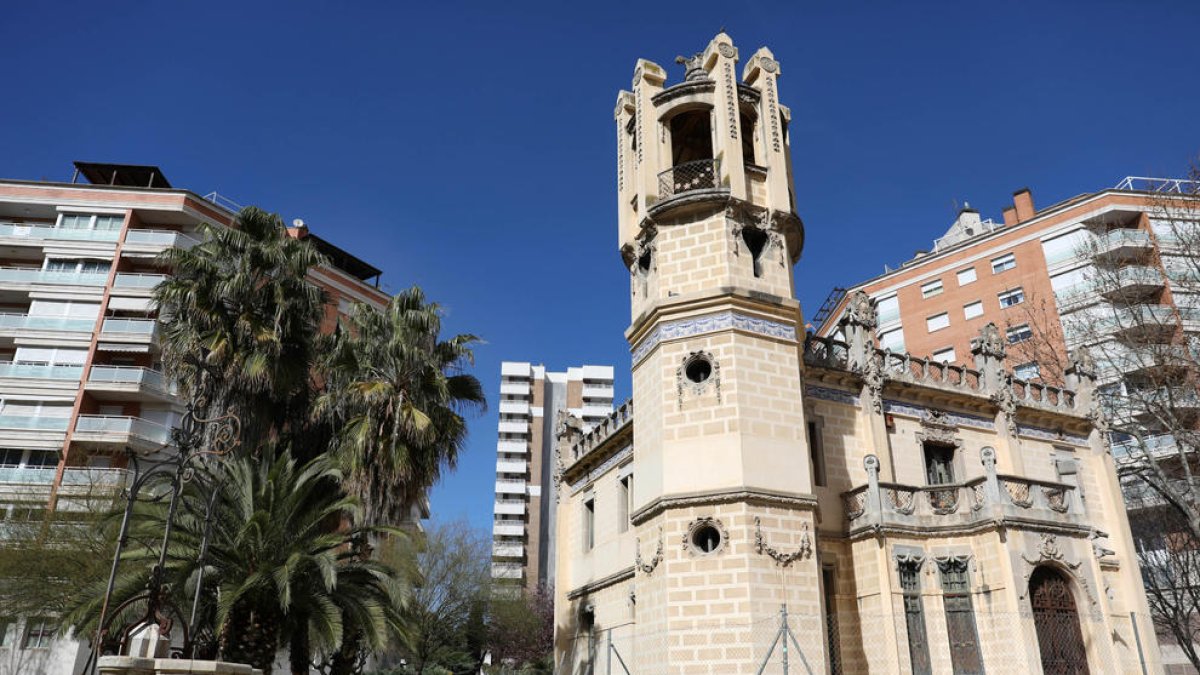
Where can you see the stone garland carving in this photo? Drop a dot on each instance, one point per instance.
(781, 558)
(730, 95)
(695, 525)
(648, 567)
(1006, 400)
(873, 377)
(773, 108)
(916, 560)
(697, 388)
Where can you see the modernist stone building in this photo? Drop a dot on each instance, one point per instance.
(771, 498)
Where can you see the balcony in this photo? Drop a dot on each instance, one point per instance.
(510, 486)
(514, 388)
(29, 232)
(512, 447)
(510, 507)
(121, 431)
(124, 382)
(508, 551)
(506, 571)
(514, 408)
(703, 174)
(514, 427)
(1115, 358)
(127, 283)
(597, 391)
(25, 323)
(1122, 244)
(23, 277)
(508, 528)
(29, 371)
(129, 330)
(1131, 280)
(1147, 322)
(156, 241)
(75, 477)
(511, 466)
(34, 422)
(975, 503)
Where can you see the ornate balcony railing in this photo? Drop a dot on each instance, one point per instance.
(990, 498)
(702, 174)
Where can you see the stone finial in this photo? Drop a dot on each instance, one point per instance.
(568, 430)
(693, 67)
(1082, 363)
(1081, 378)
(990, 342)
(860, 311)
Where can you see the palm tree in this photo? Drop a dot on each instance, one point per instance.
(239, 321)
(395, 395)
(285, 562)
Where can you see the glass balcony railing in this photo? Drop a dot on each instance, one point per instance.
(21, 275)
(1118, 239)
(133, 427)
(40, 371)
(57, 323)
(74, 476)
(29, 231)
(164, 238)
(130, 375)
(34, 422)
(133, 327)
(146, 281)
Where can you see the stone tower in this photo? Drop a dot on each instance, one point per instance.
(709, 232)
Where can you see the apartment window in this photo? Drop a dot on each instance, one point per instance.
(914, 617)
(966, 276)
(1028, 371)
(892, 340)
(624, 502)
(944, 355)
(816, 451)
(589, 524)
(1004, 262)
(1019, 333)
(931, 289)
(1013, 297)
(973, 309)
(937, 321)
(39, 631)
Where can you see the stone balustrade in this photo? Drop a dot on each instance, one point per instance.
(989, 499)
(137, 665)
(595, 436)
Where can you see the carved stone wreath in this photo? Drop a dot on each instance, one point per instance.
(695, 526)
(727, 51)
(781, 558)
(648, 567)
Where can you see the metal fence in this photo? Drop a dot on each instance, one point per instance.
(788, 643)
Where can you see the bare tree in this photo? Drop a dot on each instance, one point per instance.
(1170, 560)
(1037, 317)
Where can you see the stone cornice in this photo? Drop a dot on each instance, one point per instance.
(684, 89)
(752, 495)
(588, 588)
(872, 530)
(697, 305)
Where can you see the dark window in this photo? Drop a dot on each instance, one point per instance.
(756, 242)
(960, 618)
(589, 524)
(939, 464)
(816, 451)
(914, 618)
(747, 122)
(691, 137)
(829, 584)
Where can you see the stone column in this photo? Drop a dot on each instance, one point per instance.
(762, 73)
(996, 384)
(720, 60)
(648, 80)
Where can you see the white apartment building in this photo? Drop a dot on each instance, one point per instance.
(523, 516)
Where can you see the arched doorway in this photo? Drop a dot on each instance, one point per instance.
(1060, 640)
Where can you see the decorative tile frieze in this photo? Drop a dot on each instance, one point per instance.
(712, 323)
(921, 412)
(1050, 434)
(827, 394)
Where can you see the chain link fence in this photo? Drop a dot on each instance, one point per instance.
(843, 644)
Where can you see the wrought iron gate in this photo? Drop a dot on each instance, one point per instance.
(1060, 640)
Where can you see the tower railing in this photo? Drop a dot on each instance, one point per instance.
(702, 174)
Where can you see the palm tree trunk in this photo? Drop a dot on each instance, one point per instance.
(300, 649)
(346, 660)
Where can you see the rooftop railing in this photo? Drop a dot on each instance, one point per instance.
(1180, 186)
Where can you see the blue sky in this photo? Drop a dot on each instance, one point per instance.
(468, 147)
